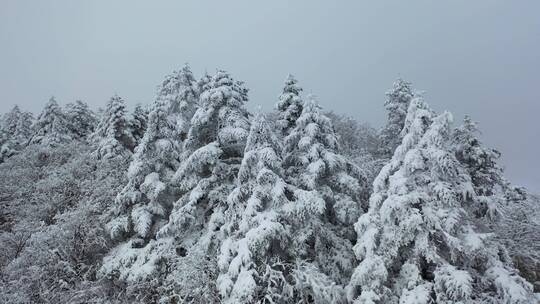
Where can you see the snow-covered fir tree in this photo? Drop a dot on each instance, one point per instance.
(192, 201)
(498, 202)
(255, 239)
(481, 164)
(418, 243)
(289, 106)
(5, 147)
(156, 157)
(203, 84)
(221, 117)
(212, 150)
(179, 91)
(51, 126)
(138, 122)
(144, 200)
(323, 233)
(112, 136)
(397, 103)
(23, 132)
(480, 161)
(10, 120)
(82, 121)
(15, 132)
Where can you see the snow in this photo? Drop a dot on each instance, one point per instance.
(193, 199)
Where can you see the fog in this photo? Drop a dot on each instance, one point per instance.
(470, 57)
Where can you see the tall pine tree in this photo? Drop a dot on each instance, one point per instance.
(189, 203)
(418, 243)
(145, 200)
(322, 227)
(10, 120)
(112, 135)
(180, 92)
(255, 239)
(397, 103)
(212, 151)
(82, 121)
(51, 126)
(23, 132)
(138, 122)
(289, 106)
(15, 132)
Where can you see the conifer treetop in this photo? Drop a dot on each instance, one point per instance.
(289, 105)
(417, 236)
(51, 126)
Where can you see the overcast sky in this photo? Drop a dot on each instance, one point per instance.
(471, 57)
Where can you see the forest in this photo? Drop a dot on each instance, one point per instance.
(192, 198)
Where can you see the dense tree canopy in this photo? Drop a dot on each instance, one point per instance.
(192, 199)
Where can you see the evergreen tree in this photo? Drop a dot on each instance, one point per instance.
(417, 243)
(212, 151)
(193, 201)
(203, 84)
(289, 105)
(255, 239)
(481, 164)
(10, 120)
(82, 120)
(179, 91)
(221, 117)
(479, 161)
(51, 126)
(6, 148)
(156, 157)
(112, 135)
(397, 103)
(138, 122)
(23, 132)
(145, 199)
(15, 132)
(322, 227)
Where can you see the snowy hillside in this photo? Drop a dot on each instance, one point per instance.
(193, 199)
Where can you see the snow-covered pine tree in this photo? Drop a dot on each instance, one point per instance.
(145, 200)
(289, 106)
(16, 132)
(23, 132)
(10, 120)
(138, 122)
(156, 157)
(186, 246)
(323, 233)
(179, 91)
(8, 128)
(5, 148)
(417, 243)
(144, 204)
(481, 164)
(221, 117)
(255, 239)
(397, 103)
(82, 121)
(203, 84)
(51, 126)
(211, 156)
(479, 161)
(498, 202)
(112, 135)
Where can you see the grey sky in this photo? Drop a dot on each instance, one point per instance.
(475, 57)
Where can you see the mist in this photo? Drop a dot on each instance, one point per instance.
(470, 57)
